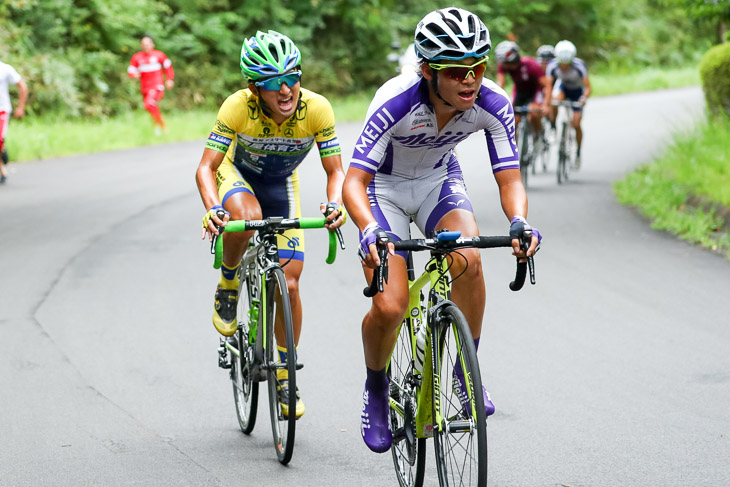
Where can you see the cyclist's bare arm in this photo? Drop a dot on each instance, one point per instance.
(587, 84)
(547, 88)
(205, 178)
(22, 97)
(514, 203)
(358, 207)
(501, 80)
(335, 178)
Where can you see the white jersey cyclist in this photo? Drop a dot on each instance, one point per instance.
(570, 79)
(8, 76)
(415, 164)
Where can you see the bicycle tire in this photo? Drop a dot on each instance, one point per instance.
(524, 151)
(277, 303)
(245, 385)
(562, 153)
(460, 440)
(408, 451)
(536, 151)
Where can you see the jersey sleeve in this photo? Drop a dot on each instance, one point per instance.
(323, 126)
(498, 121)
(580, 66)
(384, 113)
(224, 130)
(133, 67)
(167, 67)
(551, 69)
(13, 76)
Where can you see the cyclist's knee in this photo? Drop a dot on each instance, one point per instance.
(240, 211)
(388, 313)
(292, 284)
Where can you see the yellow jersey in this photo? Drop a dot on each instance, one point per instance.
(256, 145)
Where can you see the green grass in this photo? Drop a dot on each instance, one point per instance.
(42, 138)
(696, 164)
(612, 83)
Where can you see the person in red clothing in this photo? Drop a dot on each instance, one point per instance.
(531, 86)
(148, 66)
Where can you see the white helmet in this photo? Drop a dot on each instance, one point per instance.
(565, 52)
(451, 33)
(507, 52)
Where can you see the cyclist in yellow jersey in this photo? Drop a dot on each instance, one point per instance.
(249, 169)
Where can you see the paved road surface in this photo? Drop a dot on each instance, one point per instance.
(613, 370)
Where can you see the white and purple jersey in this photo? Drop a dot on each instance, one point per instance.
(572, 78)
(401, 136)
(416, 176)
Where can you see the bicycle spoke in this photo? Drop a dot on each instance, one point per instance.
(245, 386)
(407, 450)
(461, 441)
(278, 306)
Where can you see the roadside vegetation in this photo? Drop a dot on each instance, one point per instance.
(53, 136)
(686, 191)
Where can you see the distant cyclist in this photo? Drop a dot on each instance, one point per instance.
(148, 66)
(544, 55)
(404, 169)
(530, 84)
(9, 76)
(572, 84)
(249, 170)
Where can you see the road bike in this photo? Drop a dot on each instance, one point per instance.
(263, 305)
(567, 145)
(533, 147)
(434, 343)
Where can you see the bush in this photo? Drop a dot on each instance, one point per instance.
(715, 76)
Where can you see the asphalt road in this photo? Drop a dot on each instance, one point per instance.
(613, 370)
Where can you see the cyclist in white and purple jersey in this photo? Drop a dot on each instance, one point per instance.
(572, 83)
(404, 169)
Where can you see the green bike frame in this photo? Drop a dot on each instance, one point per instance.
(436, 275)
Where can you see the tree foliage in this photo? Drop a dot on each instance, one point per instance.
(715, 76)
(74, 53)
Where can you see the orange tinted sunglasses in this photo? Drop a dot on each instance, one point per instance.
(460, 72)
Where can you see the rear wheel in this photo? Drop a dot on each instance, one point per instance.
(245, 386)
(409, 452)
(278, 310)
(460, 433)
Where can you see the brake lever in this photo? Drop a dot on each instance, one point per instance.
(383, 271)
(329, 209)
(221, 215)
(340, 238)
(525, 243)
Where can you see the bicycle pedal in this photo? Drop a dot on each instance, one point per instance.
(223, 363)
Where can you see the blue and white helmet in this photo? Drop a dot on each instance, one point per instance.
(565, 52)
(451, 33)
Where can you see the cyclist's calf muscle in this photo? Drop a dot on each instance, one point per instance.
(388, 308)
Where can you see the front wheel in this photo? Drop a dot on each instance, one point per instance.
(281, 376)
(525, 154)
(460, 423)
(245, 386)
(409, 451)
(563, 154)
